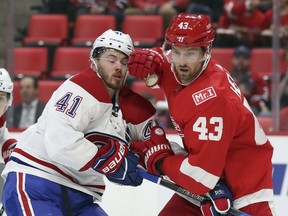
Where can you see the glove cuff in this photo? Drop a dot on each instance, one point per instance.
(155, 165)
(7, 149)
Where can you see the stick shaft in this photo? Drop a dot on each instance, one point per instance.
(194, 198)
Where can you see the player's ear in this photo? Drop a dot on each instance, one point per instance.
(92, 66)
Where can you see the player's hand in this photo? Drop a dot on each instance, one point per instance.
(153, 150)
(118, 164)
(7, 149)
(145, 62)
(221, 197)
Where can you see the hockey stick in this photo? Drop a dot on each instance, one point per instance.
(193, 198)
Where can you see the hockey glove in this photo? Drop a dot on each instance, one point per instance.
(118, 164)
(221, 197)
(153, 150)
(145, 62)
(7, 149)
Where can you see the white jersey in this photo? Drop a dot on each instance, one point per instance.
(79, 118)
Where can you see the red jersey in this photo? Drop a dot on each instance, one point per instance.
(236, 13)
(181, 4)
(269, 19)
(221, 135)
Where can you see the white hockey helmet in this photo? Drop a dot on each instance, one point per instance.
(6, 84)
(112, 39)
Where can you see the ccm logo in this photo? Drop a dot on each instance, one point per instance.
(116, 160)
(204, 95)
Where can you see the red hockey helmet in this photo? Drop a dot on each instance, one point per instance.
(190, 30)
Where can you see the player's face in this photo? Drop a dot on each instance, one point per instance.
(241, 63)
(3, 102)
(112, 67)
(28, 92)
(187, 62)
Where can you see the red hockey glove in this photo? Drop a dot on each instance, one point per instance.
(118, 164)
(221, 197)
(7, 149)
(153, 149)
(145, 62)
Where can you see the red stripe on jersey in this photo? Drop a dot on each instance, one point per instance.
(23, 195)
(96, 186)
(43, 163)
(89, 81)
(8, 142)
(51, 166)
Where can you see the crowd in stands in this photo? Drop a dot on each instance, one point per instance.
(242, 26)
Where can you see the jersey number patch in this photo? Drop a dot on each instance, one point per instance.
(201, 124)
(67, 106)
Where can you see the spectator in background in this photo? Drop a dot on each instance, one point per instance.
(166, 8)
(58, 7)
(27, 113)
(283, 29)
(241, 63)
(243, 21)
(111, 7)
(211, 8)
(253, 87)
(55, 6)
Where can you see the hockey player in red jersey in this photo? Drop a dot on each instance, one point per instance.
(221, 135)
(59, 164)
(7, 143)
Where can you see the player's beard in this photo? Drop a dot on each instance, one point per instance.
(110, 81)
(189, 74)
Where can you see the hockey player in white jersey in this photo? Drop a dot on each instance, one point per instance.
(59, 163)
(7, 143)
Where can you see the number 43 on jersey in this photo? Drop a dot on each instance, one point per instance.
(201, 124)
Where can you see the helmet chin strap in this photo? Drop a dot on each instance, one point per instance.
(96, 68)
